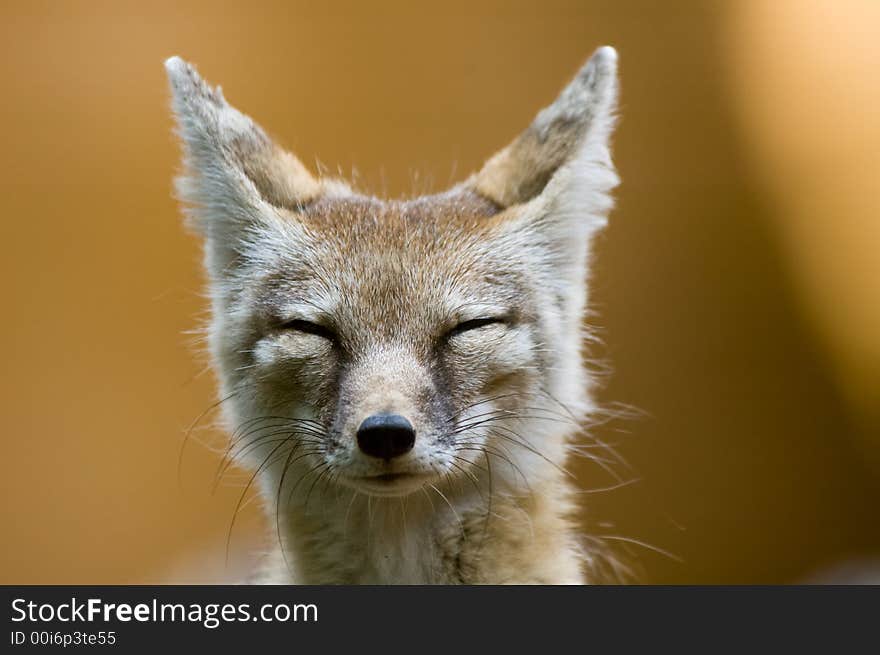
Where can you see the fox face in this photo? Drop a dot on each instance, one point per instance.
(386, 345)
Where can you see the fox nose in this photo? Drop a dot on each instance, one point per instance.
(386, 436)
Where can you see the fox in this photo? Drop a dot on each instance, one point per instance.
(406, 378)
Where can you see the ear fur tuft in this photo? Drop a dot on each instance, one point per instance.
(233, 169)
(575, 128)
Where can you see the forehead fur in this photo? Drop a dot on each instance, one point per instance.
(354, 216)
(364, 255)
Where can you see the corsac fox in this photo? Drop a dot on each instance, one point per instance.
(405, 377)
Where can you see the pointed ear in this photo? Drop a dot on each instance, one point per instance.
(234, 174)
(562, 159)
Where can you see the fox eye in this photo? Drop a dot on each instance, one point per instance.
(474, 324)
(307, 327)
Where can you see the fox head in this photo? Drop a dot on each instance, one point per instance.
(391, 344)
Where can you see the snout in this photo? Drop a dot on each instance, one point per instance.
(387, 431)
(386, 436)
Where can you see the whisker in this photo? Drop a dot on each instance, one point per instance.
(647, 546)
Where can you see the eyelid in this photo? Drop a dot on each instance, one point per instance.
(476, 323)
(308, 327)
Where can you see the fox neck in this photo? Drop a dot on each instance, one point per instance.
(452, 533)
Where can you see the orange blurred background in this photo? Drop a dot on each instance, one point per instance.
(736, 289)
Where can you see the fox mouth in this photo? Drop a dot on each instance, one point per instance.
(389, 484)
(389, 477)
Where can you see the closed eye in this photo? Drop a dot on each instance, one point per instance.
(307, 327)
(475, 324)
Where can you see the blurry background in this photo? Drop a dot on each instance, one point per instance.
(736, 289)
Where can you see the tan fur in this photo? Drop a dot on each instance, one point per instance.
(518, 539)
(461, 311)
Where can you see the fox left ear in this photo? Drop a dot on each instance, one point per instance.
(236, 178)
(226, 152)
(560, 166)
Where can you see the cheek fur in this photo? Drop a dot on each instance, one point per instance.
(486, 359)
(296, 368)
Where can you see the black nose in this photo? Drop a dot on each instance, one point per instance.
(386, 436)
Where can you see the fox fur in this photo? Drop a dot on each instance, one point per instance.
(461, 311)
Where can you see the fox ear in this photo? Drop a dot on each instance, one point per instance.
(562, 159)
(235, 175)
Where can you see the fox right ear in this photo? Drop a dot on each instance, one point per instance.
(235, 175)
(565, 149)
